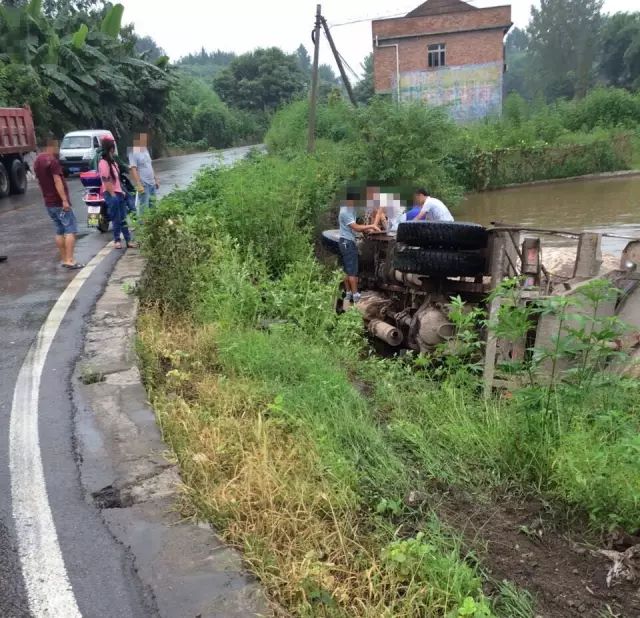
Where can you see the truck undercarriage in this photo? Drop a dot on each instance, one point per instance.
(408, 280)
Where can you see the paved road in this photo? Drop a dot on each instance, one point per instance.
(99, 570)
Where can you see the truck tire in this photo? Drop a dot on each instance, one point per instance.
(330, 241)
(18, 177)
(439, 263)
(5, 183)
(443, 235)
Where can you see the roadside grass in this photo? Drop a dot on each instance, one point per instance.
(283, 455)
(308, 475)
(301, 447)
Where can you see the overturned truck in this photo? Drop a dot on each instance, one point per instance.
(409, 277)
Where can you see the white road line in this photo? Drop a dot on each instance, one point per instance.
(48, 588)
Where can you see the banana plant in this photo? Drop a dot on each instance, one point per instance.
(90, 71)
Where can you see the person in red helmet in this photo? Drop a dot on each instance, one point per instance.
(114, 196)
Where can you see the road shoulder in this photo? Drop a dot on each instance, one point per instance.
(126, 474)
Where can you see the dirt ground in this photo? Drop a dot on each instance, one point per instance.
(560, 260)
(565, 574)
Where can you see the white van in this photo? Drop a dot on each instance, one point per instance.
(79, 148)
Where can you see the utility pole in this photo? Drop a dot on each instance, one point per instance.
(336, 55)
(313, 101)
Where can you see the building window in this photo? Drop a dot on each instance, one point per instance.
(437, 55)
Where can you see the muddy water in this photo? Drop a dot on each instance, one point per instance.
(604, 205)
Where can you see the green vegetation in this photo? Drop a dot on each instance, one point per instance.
(198, 120)
(301, 447)
(569, 47)
(530, 142)
(75, 65)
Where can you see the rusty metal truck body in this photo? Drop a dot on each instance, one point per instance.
(408, 281)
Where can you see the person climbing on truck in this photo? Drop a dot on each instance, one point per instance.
(349, 227)
(430, 208)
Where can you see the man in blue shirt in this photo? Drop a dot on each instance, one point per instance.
(348, 248)
(142, 173)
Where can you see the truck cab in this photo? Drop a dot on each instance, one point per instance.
(79, 148)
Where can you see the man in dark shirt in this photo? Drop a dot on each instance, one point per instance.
(55, 192)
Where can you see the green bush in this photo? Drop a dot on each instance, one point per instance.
(604, 107)
(289, 128)
(195, 114)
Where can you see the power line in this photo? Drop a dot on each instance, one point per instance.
(345, 62)
(363, 19)
(349, 66)
(359, 20)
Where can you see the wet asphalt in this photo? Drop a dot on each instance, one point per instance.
(31, 280)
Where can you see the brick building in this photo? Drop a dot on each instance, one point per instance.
(444, 52)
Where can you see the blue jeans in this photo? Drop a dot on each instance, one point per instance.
(118, 214)
(63, 220)
(146, 199)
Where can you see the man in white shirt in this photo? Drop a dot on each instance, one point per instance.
(431, 209)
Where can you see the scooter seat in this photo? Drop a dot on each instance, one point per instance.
(90, 179)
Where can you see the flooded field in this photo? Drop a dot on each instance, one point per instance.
(610, 205)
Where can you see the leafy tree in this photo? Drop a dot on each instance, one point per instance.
(620, 62)
(148, 49)
(364, 89)
(261, 80)
(564, 38)
(53, 8)
(205, 64)
(520, 74)
(91, 74)
(517, 40)
(304, 59)
(196, 115)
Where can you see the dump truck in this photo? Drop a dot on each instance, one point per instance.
(17, 139)
(409, 277)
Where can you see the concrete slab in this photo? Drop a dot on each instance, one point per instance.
(125, 472)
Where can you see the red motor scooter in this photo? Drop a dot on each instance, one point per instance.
(97, 211)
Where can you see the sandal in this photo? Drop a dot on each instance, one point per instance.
(132, 245)
(117, 245)
(76, 266)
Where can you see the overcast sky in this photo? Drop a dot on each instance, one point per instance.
(243, 25)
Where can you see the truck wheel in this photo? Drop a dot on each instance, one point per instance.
(5, 184)
(18, 177)
(443, 235)
(330, 241)
(439, 263)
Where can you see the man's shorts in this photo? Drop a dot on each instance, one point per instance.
(63, 220)
(349, 253)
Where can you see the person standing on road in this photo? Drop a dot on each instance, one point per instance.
(114, 196)
(347, 243)
(55, 193)
(142, 172)
(431, 209)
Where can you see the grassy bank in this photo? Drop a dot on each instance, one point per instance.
(529, 142)
(323, 463)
